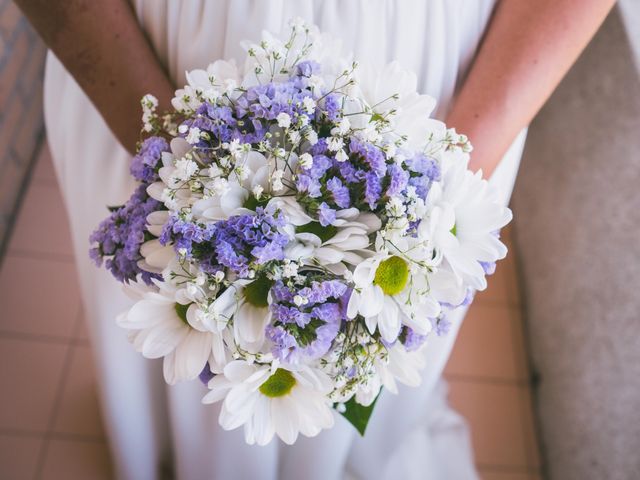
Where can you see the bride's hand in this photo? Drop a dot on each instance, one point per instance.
(102, 46)
(528, 48)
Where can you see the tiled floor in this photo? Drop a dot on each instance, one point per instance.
(50, 424)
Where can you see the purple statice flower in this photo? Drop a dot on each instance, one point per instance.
(206, 374)
(488, 267)
(370, 154)
(308, 185)
(326, 214)
(307, 68)
(321, 163)
(244, 239)
(339, 192)
(305, 329)
(144, 163)
(398, 180)
(412, 340)
(319, 148)
(426, 166)
(120, 235)
(331, 107)
(441, 325)
(372, 190)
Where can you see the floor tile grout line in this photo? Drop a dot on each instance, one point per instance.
(497, 468)
(35, 255)
(39, 338)
(537, 429)
(66, 367)
(70, 436)
(486, 380)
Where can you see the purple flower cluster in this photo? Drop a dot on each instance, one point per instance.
(238, 243)
(412, 340)
(424, 171)
(307, 328)
(120, 235)
(144, 165)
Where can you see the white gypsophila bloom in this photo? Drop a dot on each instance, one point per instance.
(220, 186)
(185, 169)
(159, 328)
(335, 143)
(311, 136)
(305, 160)
(284, 120)
(341, 156)
(171, 189)
(193, 136)
(309, 104)
(270, 401)
(462, 222)
(343, 127)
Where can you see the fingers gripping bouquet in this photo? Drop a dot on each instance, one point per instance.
(300, 229)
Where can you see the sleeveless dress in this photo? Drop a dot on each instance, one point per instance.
(413, 435)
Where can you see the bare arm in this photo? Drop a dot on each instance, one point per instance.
(102, 46)
(528, 48)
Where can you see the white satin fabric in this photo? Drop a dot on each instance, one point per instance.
(414, 435)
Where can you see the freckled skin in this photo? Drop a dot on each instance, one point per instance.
(527, 49)
(102, 46)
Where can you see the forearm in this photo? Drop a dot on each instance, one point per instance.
(528, 48)
(102, 46)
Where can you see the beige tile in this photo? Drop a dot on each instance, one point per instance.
(81, 332)
(42, 225)
(532, 444)
(29, 374)
(496, 475)
(44, 172)
(79, 412)
(497, 291)
(494, 412)
(19, 456)
(54, 308)
(485, 345)
(76, 460)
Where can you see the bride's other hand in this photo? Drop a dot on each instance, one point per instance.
(529, 46)
(101, 44)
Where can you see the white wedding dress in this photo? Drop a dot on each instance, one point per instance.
(414, 435)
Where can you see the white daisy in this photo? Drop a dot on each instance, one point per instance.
(272, 401)
(392, 87)
(161, 327)
(344, 241)
(463, 222)
(390, 290)
(252, 313)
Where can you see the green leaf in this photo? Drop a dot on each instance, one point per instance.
(358, 415)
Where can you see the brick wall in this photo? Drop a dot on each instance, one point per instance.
(21, 123)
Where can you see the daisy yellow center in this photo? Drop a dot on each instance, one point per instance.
(279, 384)
(392, 275)
(257, 291)
(181, 311)
(323, 233)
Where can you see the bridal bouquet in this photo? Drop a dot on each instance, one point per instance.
(300, 228)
